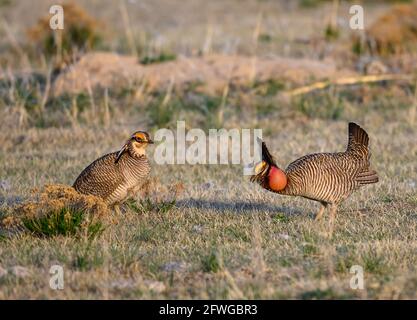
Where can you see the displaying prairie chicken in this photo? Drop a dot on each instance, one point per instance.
(117, 175)
(325, 177)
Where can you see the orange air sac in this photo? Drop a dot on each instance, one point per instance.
(277, 179)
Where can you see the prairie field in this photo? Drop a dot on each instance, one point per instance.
(294, 69)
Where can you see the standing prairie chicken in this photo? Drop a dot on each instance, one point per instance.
(117, 175)
(325, 177)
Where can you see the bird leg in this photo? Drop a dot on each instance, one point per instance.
(319, 214)
(333, 210)
(117, 209)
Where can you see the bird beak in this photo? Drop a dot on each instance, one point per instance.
(122, 150)
(150, 141)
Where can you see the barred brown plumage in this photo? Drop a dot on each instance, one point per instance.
(117, 175)
(325, 177)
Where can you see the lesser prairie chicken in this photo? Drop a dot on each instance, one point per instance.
(116, 176)
(325, 177)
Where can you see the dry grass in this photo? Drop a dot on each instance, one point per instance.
(81, 32)
(222, 237)
(107, 70)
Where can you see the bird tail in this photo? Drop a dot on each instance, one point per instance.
(367, 177)
(358, 138)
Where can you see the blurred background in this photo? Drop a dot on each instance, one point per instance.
(203, 62)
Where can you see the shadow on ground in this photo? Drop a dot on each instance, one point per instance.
(237, 206)
(10, 200)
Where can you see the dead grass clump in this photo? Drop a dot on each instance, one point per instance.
(56, 197)
(80, 33)
(59, 210)
(395, 32)
(8, 222)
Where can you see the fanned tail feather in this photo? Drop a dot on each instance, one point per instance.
(357, 136)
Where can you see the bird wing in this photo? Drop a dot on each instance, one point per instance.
(325, 162)
(100, 178)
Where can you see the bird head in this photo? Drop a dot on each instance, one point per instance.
(136, 144)
(267, 174)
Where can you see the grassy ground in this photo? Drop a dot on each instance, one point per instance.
(224, 237)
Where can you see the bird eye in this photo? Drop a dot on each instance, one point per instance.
(138, 139)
